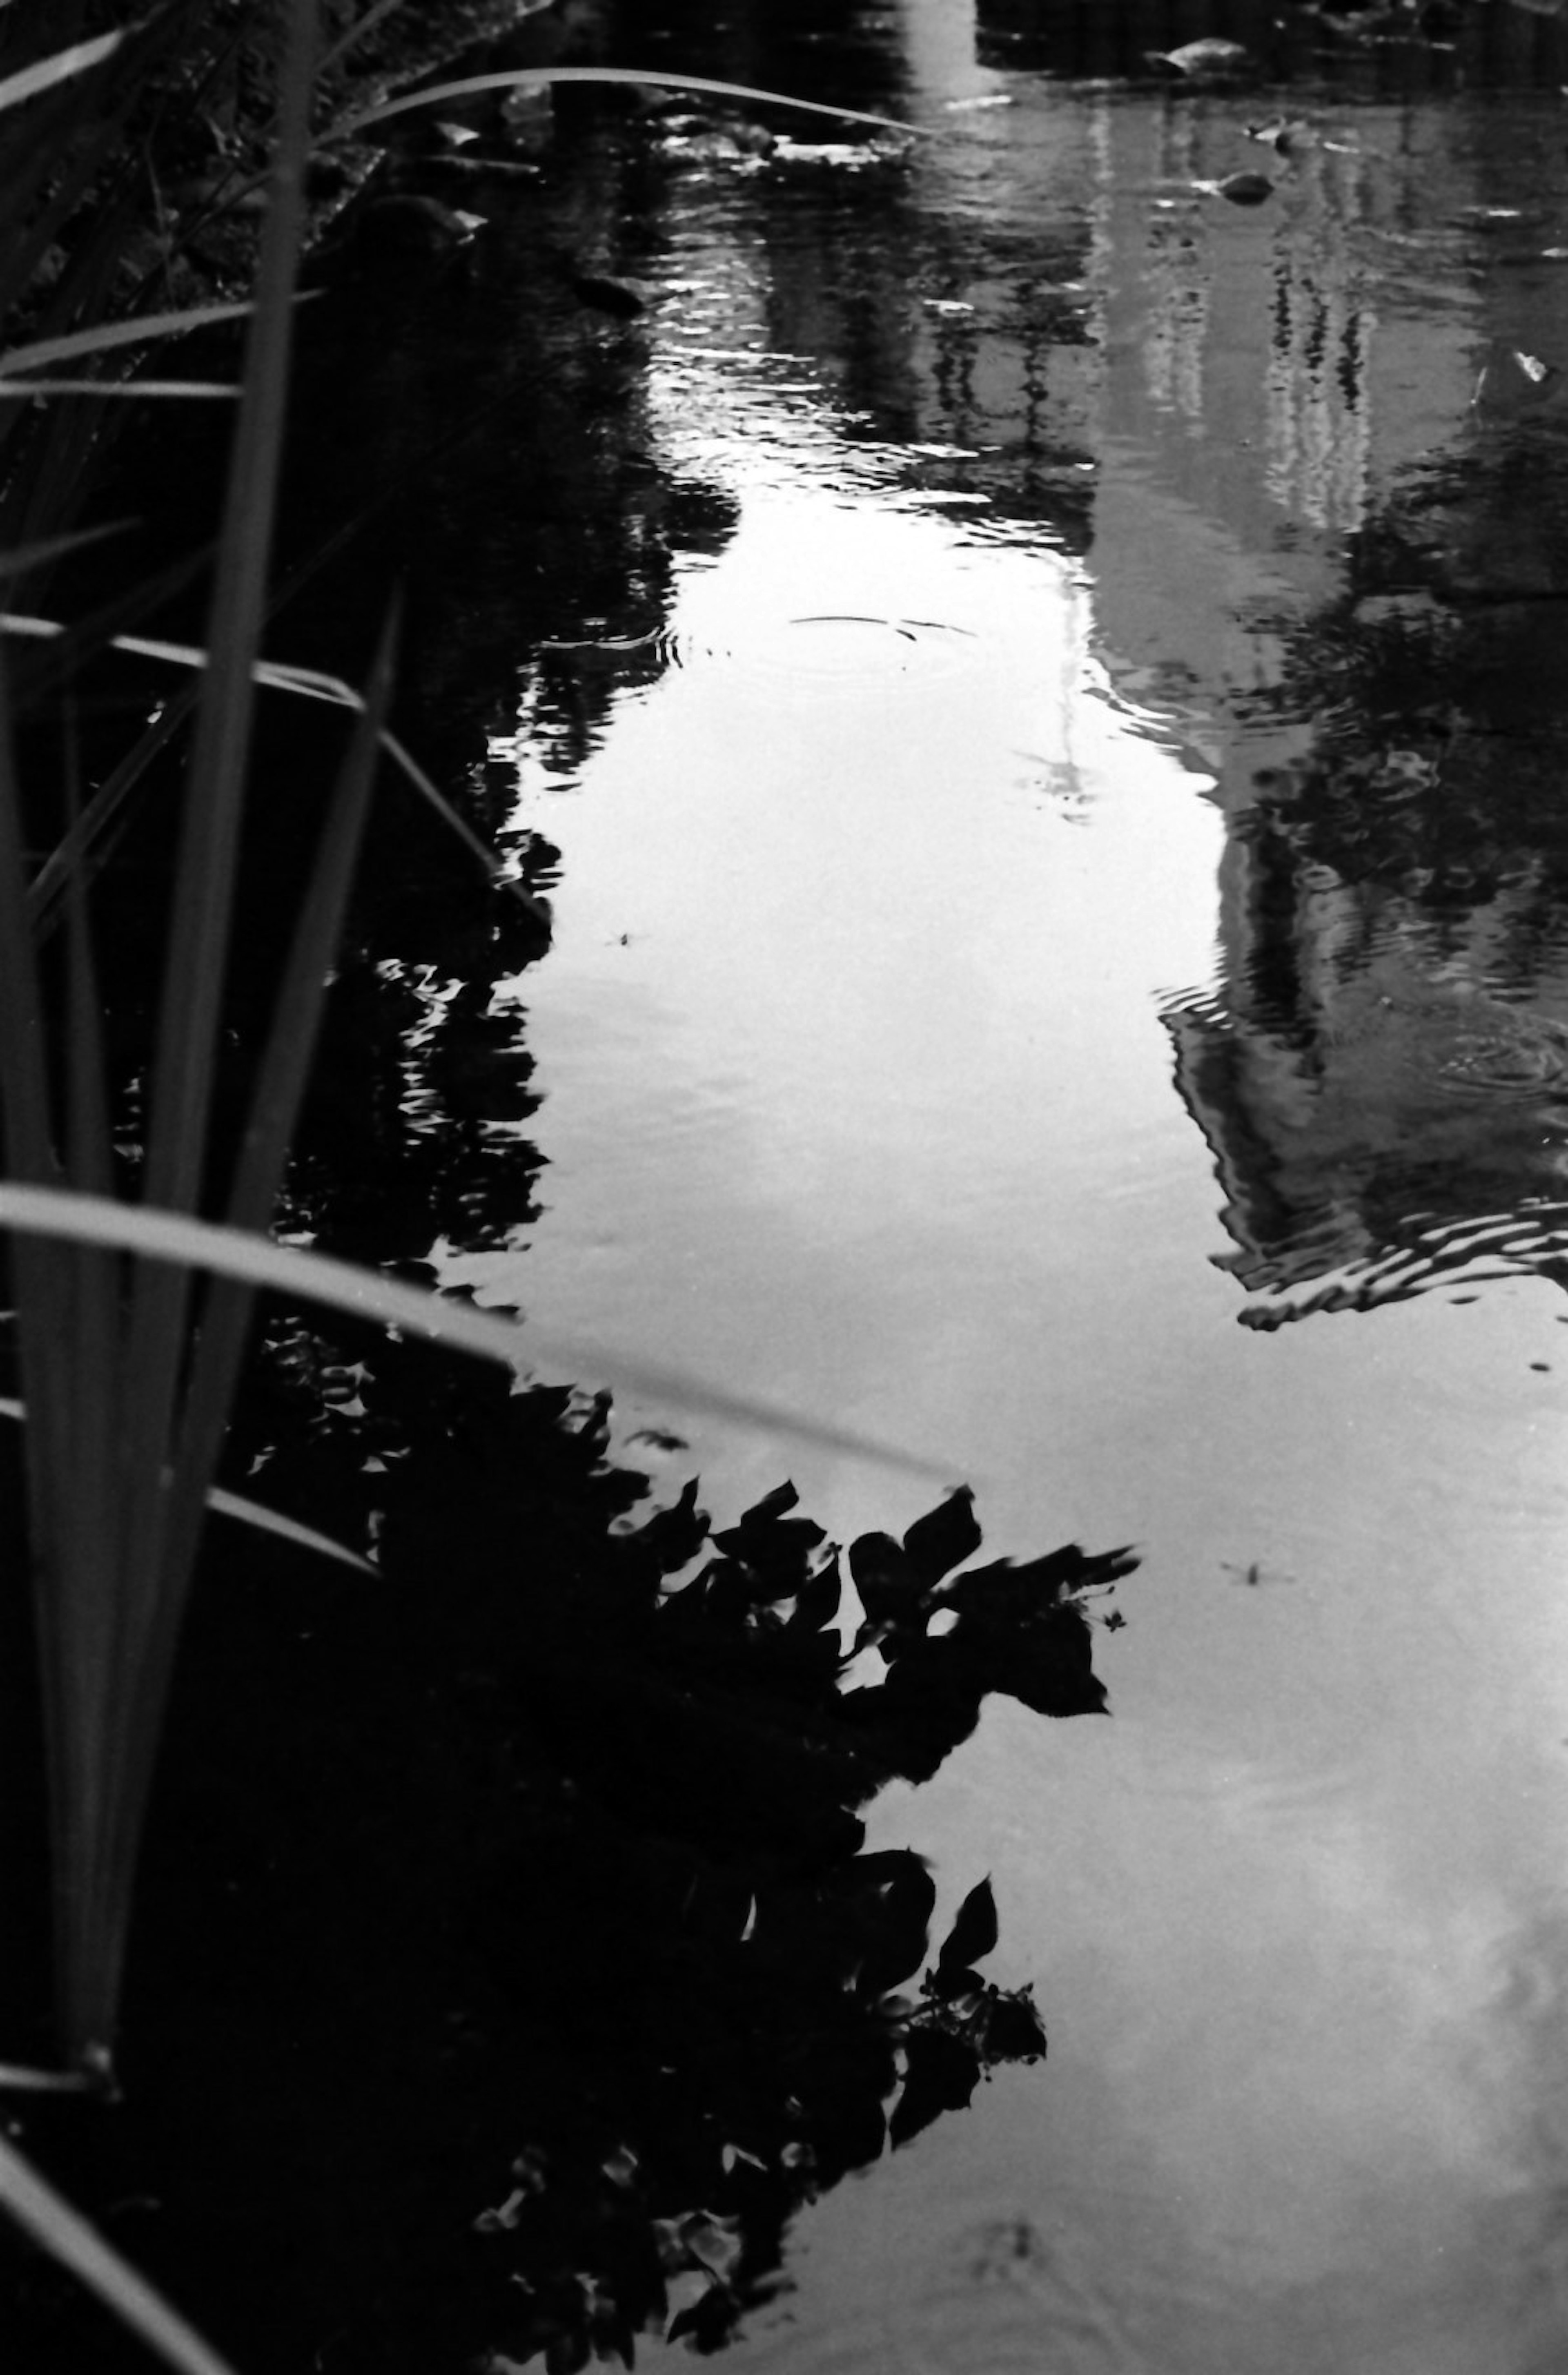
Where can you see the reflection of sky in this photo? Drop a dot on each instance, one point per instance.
(857, 1096)
(840, 1020)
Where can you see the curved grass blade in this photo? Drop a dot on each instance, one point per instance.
(151, 1575)
(46, 72)
(311, 684)
(64, 2234)
(263, 1154)
(154, 387)
(239, 1507)
(140, 331)
(15, 2079)
(25, 556)
(416, 1311)
(540, 78)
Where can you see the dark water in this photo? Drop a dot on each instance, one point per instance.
(1036, 693)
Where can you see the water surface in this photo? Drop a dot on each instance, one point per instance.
(1061, 967)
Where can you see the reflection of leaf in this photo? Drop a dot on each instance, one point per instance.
(816, 1603)
(707, 2321)
(943, 1537)
(1014, 2030)
(774, 1547)
(675, 1534)
(889, 1587)
(973, 1936)
(941, 2074)
(898, 1909)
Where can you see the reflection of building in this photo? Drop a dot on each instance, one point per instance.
(1411, 1145)
(1381, 1073)
(1320, 354)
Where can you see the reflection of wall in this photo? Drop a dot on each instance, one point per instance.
(1383, 1073)
(1318, 431)
(1385, 1111)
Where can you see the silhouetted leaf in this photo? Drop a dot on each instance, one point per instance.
(848, 2125)
(897, 1910)
(675, 1535)
(816, 1603)
(707, 2321)
(890, 1589)
(776, 1504)
(1014, 2030)
(776, 1548)
(941, 2075)
(972, 1937)
(944, 1538)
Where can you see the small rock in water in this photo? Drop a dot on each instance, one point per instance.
(391, 238)
(1513, 384)
(607, 296)
(1285, 134)
(1244, 189)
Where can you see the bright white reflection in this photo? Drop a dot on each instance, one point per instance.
(826, 1011)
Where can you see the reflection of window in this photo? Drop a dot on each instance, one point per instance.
(1173, 351)
(1317, 426)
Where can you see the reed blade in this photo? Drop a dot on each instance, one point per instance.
(369, 1294)
(152, 1494)
(59, 2228)
(46, 72)
(280, 1087)
(540, 78)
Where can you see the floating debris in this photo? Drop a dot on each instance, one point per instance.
(607, 296)
(1207, 61)
(1242, 189)
(1287, 135)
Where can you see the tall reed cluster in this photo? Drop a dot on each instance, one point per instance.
(129, 1298)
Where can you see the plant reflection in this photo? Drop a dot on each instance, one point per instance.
(512, 1969)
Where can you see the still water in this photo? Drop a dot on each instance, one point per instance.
(1061, 968)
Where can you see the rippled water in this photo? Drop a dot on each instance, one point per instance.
(1062, 967)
